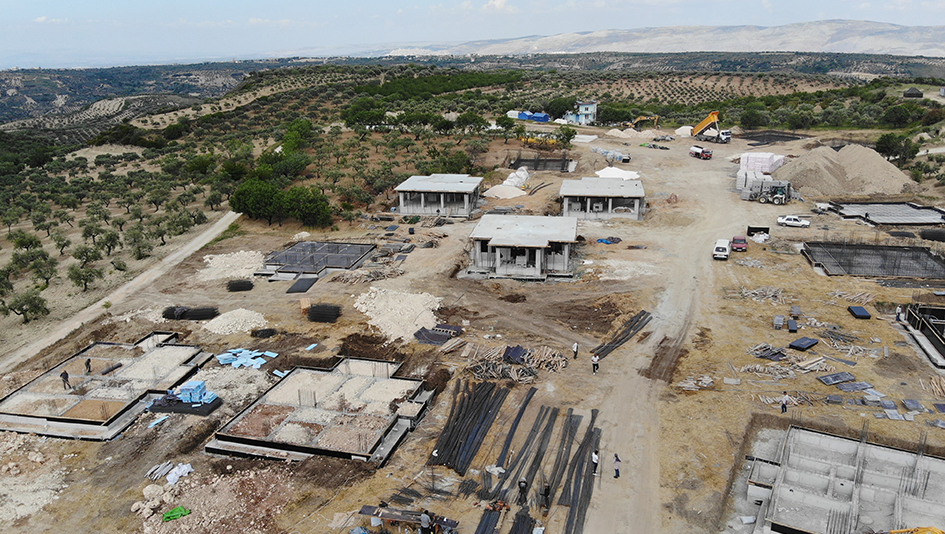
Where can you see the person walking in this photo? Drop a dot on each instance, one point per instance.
(65, 380)
(575, 349)
(616, 466)
(88, 366)
(898, 315)
(426, 523)
(595, 363)
(784, 402)
(595, 459)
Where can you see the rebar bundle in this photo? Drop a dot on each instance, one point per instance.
(183, 313)
(471, 416)
(324, 313)
(239, 285)
(628, 330)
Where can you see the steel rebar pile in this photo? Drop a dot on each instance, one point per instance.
(564, 451)
(518, 419)
(183, 313)
(239, 285)
(578, 512)
(523, 524)
(467, 487)
(628, 330)
(471, 416)
(514, 470)
(490, 518)
(580, 457)
(324, 313)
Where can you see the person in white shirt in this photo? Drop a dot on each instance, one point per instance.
(784, 402)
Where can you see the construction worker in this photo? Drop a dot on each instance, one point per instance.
(65, 380)
(575, 349)
(546, 497)
(595, 363)
(426, 523)
(522, 492)
(88, 366)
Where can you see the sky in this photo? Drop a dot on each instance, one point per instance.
(95, 33)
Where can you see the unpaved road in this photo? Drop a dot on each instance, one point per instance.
(133, 287)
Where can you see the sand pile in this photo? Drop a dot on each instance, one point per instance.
(240, 264)
(398, 314)
(630, 133)
(236, 321)
(854, 170)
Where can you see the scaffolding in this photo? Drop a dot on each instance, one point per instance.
(857, 259)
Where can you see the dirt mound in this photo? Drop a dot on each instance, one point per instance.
(854, 170)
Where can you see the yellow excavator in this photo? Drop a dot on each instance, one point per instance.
(641, 118)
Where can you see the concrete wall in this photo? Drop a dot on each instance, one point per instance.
(520, 262)
(448, 204)
(611, 208)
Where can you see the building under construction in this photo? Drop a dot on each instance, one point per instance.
(860, 259)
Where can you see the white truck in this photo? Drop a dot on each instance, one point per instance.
(697, 151)
(793, 220)
(709, 130)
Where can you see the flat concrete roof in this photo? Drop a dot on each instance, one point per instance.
(441, 183)
(594, 186)
(825, 478)
(903, 213)
(525, 230)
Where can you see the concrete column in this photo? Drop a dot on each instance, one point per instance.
(443, 203)
(588, 210)
(423, 203)
(539, 253)
(466, 203)
(495, 258)
(636, 209)
(567, 254)
(610, 205)
(400, 195)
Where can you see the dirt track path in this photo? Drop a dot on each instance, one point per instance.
(630, 407)
(130, 289)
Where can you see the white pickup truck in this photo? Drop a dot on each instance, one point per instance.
(793, 220)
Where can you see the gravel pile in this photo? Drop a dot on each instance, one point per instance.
(854, 170)
(240, 264)
(236, 321)
(398, 314)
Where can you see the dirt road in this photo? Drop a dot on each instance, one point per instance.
(142, 281)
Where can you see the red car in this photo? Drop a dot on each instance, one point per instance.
(739, 244)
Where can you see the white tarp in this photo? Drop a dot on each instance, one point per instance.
(517, 178)
(583, 138)
(512, 114)
(614, 172)
(181, 470)
(503, 192)
(765, 162)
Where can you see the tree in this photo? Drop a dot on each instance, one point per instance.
(888, 145)
(214, 199)
(23, 240)
(90, 230)
(156, 197)
(44, 268)
(109, 241)
(136, 239)
(507, 124)
(96, 212)
(119, 222)
(12, 216)
(83, 276)
(753, 118)
(898, 147)
(61, 241)
(471, 122)
(308, 206)
(257, 199)
(565, 134)
(30, 305)
(86, 254)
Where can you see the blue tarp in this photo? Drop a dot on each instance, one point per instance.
(803, 343)
(859, 312)
(244, 358)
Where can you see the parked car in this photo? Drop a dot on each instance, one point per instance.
(793, 220)
(722, 250)
(739, 244)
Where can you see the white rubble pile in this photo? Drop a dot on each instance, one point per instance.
(235, 265)
(236, 321)
(398, 314)
(301, 236)
(517, 178)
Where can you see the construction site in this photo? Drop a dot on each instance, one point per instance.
(517, 370)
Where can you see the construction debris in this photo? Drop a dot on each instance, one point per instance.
(361, 276)
(236, 321)
(748, 262)
(774, 294)
(858, 298)
(452, 345)
(244, 358)
(935, 385)
(772, 370)
(695, 384)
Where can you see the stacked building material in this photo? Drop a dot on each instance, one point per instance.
(239, 285)
(183, 313)
(474, 410)
(453, 345)
(244, 358)
(324, 313)
(628, 330)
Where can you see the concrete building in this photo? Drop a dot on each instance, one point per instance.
(829, 484)
(524, 247)
(446, 195)
(586, 113)
(594, 197)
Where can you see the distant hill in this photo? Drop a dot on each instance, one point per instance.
(840, 36)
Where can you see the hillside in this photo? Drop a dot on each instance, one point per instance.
(838, 36)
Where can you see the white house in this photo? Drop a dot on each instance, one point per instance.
(522, 246)
(595, 197)
(586, 113)
(446, 195)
